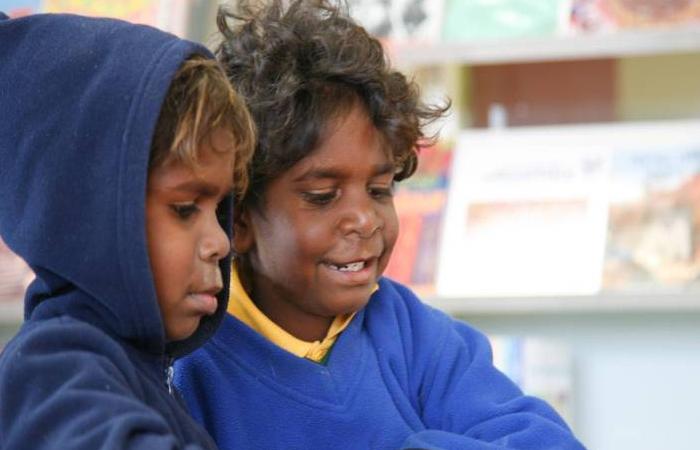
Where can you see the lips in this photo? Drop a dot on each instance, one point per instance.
(205, 302)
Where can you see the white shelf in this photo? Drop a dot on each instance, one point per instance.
(599, 45)
(596, 304)
(11, 312)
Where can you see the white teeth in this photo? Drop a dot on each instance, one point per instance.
(352, 267)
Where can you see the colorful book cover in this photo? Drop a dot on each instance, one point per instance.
(169, 15)
(654, 226)
(420, 202)
(20, 8)
(499, 19)
(400, 21)
(139, 11)
(606, 15)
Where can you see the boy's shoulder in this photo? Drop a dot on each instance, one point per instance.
(63, 340)
(393, 299)
(395, 313)
(395, 316)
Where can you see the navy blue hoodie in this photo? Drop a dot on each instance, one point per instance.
(79, 101)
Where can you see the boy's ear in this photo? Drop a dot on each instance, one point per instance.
(242, 231)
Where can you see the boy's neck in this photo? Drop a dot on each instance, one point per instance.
(310, 329)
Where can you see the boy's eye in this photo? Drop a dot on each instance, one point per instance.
(184, 210)
(381, 192)
(319, 198)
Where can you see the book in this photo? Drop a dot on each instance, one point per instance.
(525, 215)
(611, 15)
(653, 239)
(467, 21)
(573, 210)
(542, 367)
(400, 21)
(420, 202)
(169, 15)
(20, 8)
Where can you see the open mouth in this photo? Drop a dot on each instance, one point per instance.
(350, 267)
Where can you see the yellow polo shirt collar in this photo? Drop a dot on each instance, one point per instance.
(242, 307)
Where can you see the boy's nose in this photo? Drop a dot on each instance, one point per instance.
(215, 243)
(361, 219)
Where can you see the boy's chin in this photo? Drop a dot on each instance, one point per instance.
(181, 332)
(349, 303)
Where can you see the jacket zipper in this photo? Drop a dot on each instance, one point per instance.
(169, 373)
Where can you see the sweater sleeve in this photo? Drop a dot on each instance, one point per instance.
(466, 403)
(461, 399)
(69, 386)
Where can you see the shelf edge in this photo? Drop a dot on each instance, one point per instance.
(590, 46)
(599, 304)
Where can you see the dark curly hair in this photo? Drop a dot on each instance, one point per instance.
(301, 65)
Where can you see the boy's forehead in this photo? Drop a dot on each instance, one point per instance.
(217, 147)
(340, 149)
(210, 172)
(323, 165)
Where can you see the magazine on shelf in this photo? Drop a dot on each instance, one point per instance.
(420, 202)
(573, 210)
(654, 219)
(540, 366)
(418, 21)
(610, 15)
(19, 8)
(467, 21)
(525, 215)
(169, 15)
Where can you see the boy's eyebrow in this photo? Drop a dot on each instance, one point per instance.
(325, 173)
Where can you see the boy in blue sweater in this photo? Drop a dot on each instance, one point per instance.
(318, 350)
(118, 145)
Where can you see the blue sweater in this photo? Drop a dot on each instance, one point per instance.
(402, 375)
(79, 100)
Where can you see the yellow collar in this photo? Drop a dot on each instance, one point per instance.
(242, 307)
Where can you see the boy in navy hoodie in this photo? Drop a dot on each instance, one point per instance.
(319, 351)
(118, 149)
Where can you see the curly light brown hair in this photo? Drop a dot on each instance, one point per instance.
(299, 65)
(199, 101)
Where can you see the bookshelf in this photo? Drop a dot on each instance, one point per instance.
(603, 304)
(616, 44)
(625, 344)
(615, 77)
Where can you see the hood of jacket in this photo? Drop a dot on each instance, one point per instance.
(79, 102)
